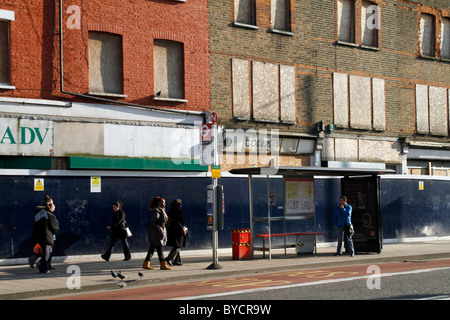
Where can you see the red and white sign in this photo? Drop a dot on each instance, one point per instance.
(205, 132)
(213, 117)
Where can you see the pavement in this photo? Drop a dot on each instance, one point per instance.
(19, 282)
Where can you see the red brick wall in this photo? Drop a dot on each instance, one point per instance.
(34, 46)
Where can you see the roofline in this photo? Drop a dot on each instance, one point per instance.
(302, 172)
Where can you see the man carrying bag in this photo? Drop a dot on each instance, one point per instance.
(342, 218)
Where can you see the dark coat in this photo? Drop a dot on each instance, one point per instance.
(158, 219)
(118, 224)
(175, 236)
(45, 226)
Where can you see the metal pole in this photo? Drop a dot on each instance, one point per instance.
(250, 201)
(268, 220)
(215, 233)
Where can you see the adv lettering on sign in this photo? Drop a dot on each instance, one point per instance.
(26, 137)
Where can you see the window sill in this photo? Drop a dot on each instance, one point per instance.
(447, 60)
(282, 32)
(267, 120)
(245, 25)
(427, 57)
(5, 86)
(105, 94)
(241, 118)
(170, 99)
(369, 48)
(347, 44)
(290, 122)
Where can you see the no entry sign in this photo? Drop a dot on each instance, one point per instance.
(213, 117)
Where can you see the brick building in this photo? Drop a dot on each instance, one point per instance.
(115, 116)
(103, 101)
(376, 74)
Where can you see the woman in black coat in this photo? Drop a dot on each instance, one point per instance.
(118, 232)
(44, 229)
(157, 233)
(176, 233)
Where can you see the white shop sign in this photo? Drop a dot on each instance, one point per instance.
(26, 137)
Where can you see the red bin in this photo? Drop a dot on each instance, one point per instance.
(241, 239)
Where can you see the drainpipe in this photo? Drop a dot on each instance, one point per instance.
(197, 113)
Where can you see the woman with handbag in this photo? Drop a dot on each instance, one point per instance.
(176, 233)
(118, 231)
(45, 227)
(342, 217)
(157, 233)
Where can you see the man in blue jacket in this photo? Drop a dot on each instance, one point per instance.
(342, 216)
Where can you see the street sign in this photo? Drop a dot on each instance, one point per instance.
(215, 172)
(206, 132)
(213, 117)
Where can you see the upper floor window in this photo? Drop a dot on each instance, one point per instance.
(105, 63)
(427, 35)
(281, 15)
(244, 12)
(370, 23)
(5, 18)
(168, 70)
(445, 38)
(346, 20)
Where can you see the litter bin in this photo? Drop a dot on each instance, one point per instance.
(305, 244)
(241, 244)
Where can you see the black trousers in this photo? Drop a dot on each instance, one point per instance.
(46, 257)
(126, 247)
(151, 251)
(174, 255)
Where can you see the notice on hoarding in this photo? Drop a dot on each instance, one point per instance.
(96, 184)
(299, 196)
(39, 184)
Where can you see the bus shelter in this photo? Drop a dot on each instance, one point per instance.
(274, 220)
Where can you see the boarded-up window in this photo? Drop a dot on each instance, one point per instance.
(369, 24)
(241, 88)
(346, 21)
(168, 69)
(360, 101)
(427, 35)
(280, 13)
(445, 38)
(265, 91)
(4, 52)
(244, 11)
(272, 94)
(431, 110)
(105, 63)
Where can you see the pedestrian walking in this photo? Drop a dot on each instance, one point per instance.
(118, 232)
(37, 253)
(45, 227)
(342, 218)
(157, 233)
(176, 233)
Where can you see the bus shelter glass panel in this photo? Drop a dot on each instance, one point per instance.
(268, 210)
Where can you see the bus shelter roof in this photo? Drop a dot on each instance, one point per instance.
(310, 172)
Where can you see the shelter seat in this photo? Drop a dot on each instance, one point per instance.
(285, 245)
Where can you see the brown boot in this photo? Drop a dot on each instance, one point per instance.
(146, 265)
(163, 266)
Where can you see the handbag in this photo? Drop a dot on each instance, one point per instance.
(127, 230)
(349, 230)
